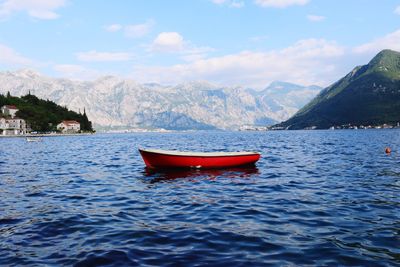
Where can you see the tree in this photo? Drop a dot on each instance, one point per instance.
(85, 123)
(44, 115)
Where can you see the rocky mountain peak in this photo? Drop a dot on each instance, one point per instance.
(112, 101)
(27, 73)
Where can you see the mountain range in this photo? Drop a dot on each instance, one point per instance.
(114, 102)
(368, 95)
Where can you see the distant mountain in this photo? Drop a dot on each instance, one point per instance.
(115, 102)
(286, 97)
(368, 95)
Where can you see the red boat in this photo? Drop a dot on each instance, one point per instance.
(164, 159)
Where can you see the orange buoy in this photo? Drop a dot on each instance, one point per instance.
(388, 150)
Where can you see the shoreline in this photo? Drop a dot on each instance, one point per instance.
(44, 135)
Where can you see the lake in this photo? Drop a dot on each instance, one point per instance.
(314, 198)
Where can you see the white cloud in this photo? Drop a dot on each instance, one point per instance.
(94, 56)
(9, 56)
(306, 62)
(259, 38)
(237, 4)
(313, 48)
(113, 27)
(219, 2)
(194, 53)
(138, 30)
(389, 41)
(76, 72)
(41, 9)
(173, 42)
(315, 18)
(168, 42)
(397, 10)
(281, 3)
(132, 31)
(230, 3)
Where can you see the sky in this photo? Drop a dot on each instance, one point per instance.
(247, 43)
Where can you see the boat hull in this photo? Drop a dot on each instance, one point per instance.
(168, 160)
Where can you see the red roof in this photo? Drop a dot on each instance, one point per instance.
(70, 122)
(10, 106)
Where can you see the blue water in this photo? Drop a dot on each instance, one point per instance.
(314, 198)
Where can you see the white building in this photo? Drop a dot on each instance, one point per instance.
(9, 123)
(9, 110)
(13, 126)
(69, 126)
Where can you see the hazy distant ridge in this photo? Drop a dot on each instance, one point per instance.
(111, 101)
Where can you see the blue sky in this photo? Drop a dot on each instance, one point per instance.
(228, 42)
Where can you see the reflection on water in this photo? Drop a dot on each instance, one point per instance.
(315, 198)
(154, 175)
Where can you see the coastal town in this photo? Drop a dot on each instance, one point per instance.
(11, 125)
(337, 127)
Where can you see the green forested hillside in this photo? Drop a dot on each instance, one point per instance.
(44, 115)
(368, 95)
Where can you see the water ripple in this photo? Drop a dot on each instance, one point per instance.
(315, 198)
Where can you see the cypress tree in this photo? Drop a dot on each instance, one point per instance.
(86, 124)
